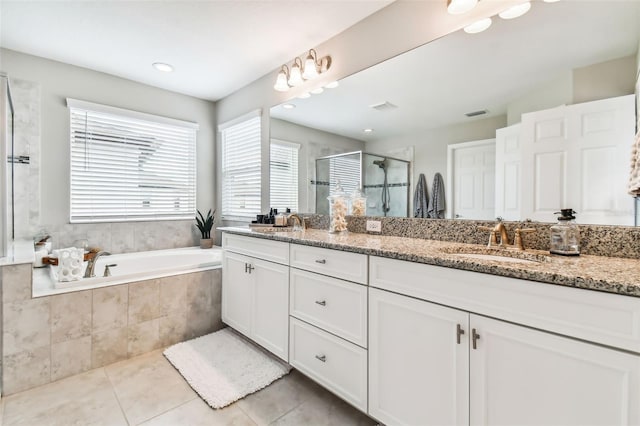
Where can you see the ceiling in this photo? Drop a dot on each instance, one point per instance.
(435, 85)
(216, 46)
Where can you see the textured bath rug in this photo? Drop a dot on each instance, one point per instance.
(223, 367)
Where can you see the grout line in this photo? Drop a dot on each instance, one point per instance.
(115, 394)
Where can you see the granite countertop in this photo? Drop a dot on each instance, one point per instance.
(608, 274)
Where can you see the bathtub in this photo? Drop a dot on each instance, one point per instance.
(131, 267)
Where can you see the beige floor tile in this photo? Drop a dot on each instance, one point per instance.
(324, 410)
(85, 399)
(198, 413)
(147, 386)
(280, 397)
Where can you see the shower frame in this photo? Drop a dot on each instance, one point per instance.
(361, 154)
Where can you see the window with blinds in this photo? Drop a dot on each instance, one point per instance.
(130, 166)
(241, 168)
(283, 165)
(346, 170)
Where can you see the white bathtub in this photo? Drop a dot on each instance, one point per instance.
(131, 267)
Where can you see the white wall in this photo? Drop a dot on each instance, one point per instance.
(58, 81)
(552, 94)
(605, 80)
(313, 144)
(401, 26)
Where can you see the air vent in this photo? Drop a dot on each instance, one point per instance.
(383, 106)
(476, 113)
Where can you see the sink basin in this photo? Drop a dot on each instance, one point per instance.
(494, 257)
(497, 255)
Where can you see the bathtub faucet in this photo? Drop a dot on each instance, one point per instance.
(91, 264)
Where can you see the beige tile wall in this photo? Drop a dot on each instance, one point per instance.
(53, 337)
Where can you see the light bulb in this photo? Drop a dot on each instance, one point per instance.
(295, 79)
(281, 82)
(310, 70)
(515, 11)
(305, 95)
(457, 7)
(317, 90)
(478, 26)
(332, 85)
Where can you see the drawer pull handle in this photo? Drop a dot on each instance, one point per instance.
(321, 302)
(322, 358)
(474, 338)
(459, 332)
(321, 261)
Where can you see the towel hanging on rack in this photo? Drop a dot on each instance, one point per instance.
(437, 204)
(634, 178)
(421, 198)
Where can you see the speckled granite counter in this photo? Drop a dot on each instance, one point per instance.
(613, 275)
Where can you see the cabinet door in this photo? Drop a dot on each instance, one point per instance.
(270, 312)
(236, 292)
(528, 377)
(418, 372)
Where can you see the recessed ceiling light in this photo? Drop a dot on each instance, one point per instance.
(317, 91)
(478, 26)
(515, 11)
(332, 85)
(367, 130)
(161, 66)
(305, 95)
(288, 106)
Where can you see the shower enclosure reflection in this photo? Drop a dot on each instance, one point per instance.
(384, 181)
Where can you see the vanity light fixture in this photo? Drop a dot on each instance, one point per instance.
(299, 73)
(161, 66)
(550, 1)
(332, 85)
(317, 90)
(295, 77)
(288, 106)
(515, 11)
(478, 26)
(305, 95)
(281, 82)
(457, 7)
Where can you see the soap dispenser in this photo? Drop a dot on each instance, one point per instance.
(565, 235)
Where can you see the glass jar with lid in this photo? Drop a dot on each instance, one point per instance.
(358, 203)
(338, 209)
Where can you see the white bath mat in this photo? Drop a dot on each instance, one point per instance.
(223, 367)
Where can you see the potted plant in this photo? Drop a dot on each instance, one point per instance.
(205, 225)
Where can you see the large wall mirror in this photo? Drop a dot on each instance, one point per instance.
(530, 116)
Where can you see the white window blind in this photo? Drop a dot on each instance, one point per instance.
(346, 170)
(241, 169)
(283, 175)
(128, 166)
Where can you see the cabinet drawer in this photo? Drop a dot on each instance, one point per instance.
(604, 318)
(274, 251)
(337, 306)
(335, 263)
(338, 365)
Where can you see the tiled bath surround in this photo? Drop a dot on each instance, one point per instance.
(49, 338)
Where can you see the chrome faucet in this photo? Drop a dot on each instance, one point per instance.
(91, 264)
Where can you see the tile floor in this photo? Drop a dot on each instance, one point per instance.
(147, 390)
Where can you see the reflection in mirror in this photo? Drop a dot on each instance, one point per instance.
(384, 181)
(551, 92)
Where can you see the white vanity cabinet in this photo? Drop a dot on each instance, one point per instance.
(328, 325)
(255, 292)
(499, 372)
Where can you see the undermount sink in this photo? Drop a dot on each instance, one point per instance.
(498, 255)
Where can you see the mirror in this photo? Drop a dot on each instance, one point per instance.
(515, 75)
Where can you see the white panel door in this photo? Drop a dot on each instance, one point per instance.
(545, 150)
(472, 179)
(237, 285)
(602, 133)
(270, 316)
(521, 376)
(508, 173)
(418, 370)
